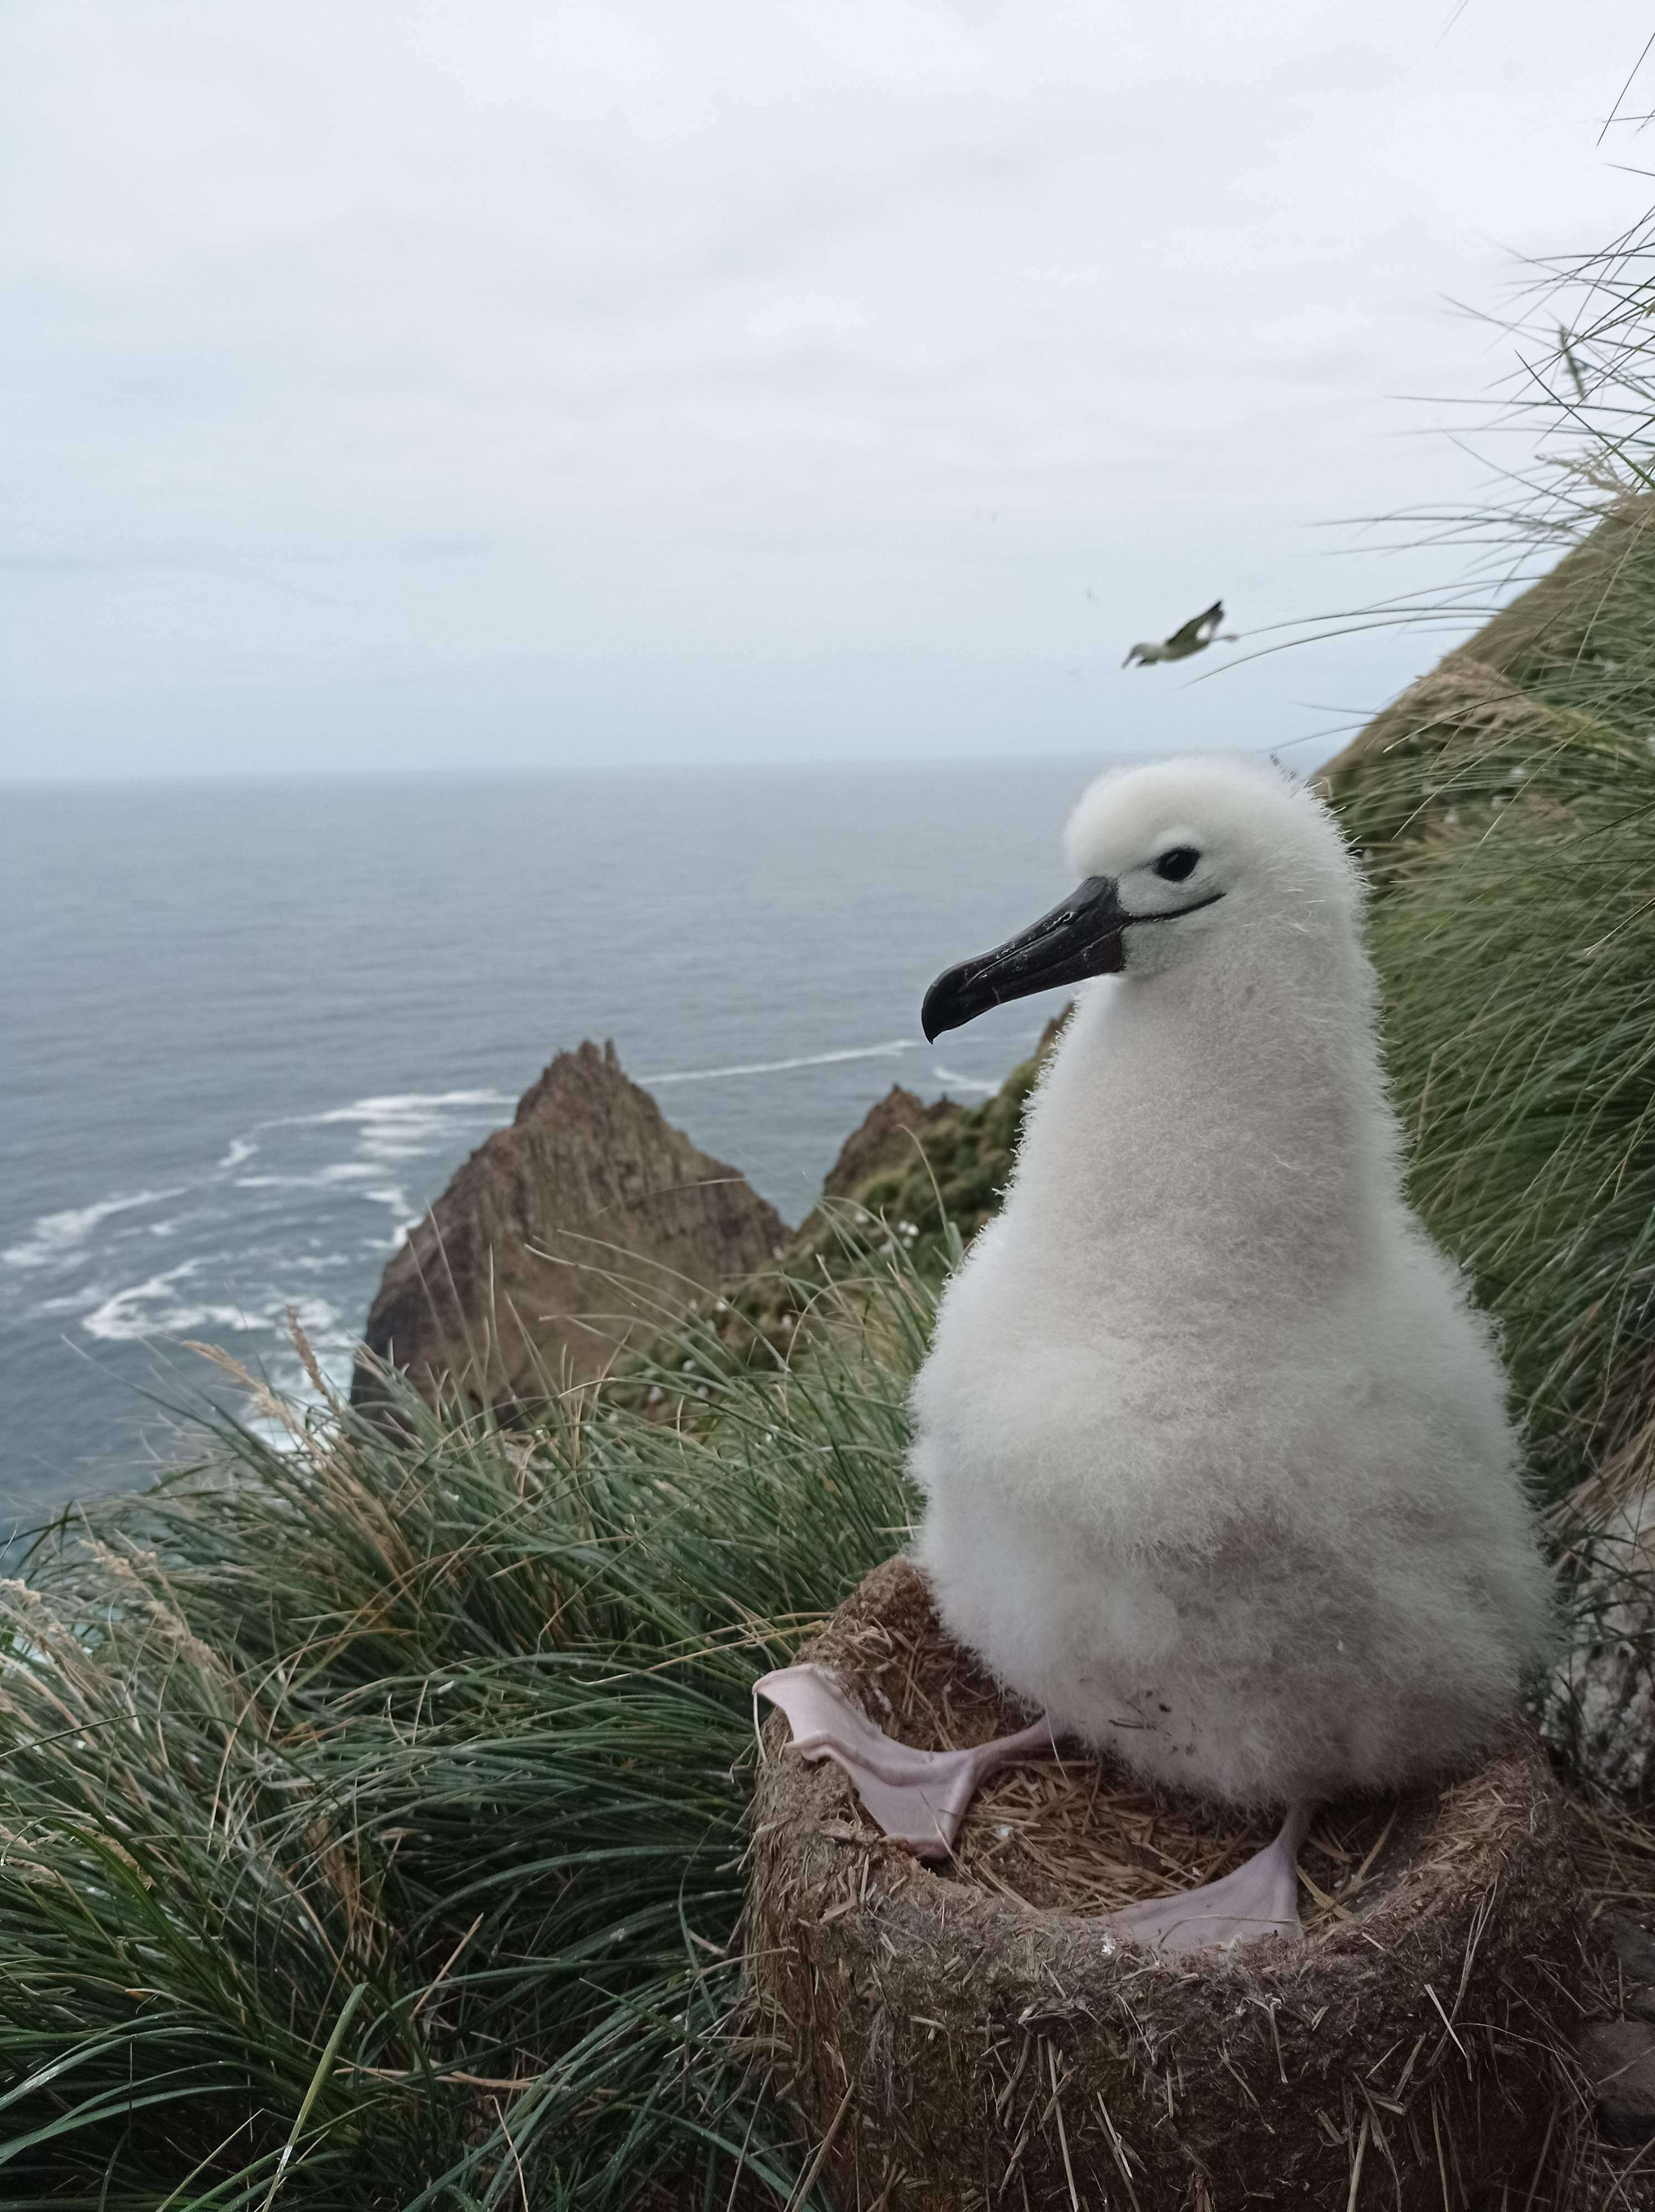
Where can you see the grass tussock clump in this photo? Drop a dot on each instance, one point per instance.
(371, 1810)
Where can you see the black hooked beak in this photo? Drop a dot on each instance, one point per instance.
(1080, 937)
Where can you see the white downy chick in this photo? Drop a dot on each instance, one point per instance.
(1214, 1449)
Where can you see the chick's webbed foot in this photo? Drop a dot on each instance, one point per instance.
(1261, 1897)
(918, 1797)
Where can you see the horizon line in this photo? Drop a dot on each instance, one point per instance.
(473, 772)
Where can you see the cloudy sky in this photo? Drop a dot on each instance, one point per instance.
(592, 381)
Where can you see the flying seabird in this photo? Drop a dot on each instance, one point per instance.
(1195, 637)
(1214, 1452)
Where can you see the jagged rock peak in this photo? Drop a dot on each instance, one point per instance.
(883, 1139)
(588, 1223)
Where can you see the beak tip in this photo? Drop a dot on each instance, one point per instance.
(946, 1005)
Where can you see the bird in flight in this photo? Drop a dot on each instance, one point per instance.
(1195, 637)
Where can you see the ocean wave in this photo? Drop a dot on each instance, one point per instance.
(71, 1302)
(408, 1125)
(406, 1105)
(324, 1178)
(963, 1082)
(157, 1307)
(53, 1239)
(120, 1297)
(405, 1217)
(782, 1066)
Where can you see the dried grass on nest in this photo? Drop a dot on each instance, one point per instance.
(1078, 1835)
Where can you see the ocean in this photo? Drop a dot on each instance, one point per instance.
(252, 1029)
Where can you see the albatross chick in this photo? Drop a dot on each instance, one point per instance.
(1214, 1449)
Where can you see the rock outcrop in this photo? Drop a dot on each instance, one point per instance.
(924, 1168)
(891, 1138)
(583, 1228)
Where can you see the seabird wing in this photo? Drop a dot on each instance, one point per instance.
(1198, 631)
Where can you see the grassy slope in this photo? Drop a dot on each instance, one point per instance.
(370, 1822)
(1506, 806)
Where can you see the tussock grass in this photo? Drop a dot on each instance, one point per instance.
(1515, 937)
(371, 1810)
(1505, 805)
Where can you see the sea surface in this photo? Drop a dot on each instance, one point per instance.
(251, 1029)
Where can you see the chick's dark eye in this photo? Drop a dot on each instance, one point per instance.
(1172, 867)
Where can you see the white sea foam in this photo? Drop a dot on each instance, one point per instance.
(113, 1308)
(781, 1067)
(960, 1082)
(324, 1178)
(158, 1307)
(409, 1103)
(55, 1238)
(153, 1308)
(407, 1125)
(71, 1302)
(318, 1321)
(404, 1217)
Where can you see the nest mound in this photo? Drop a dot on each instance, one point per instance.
(971, 2036)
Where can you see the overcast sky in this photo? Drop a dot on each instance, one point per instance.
(500, 385)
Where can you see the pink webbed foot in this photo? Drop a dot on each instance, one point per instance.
(918, 1797)
(1259, 1899)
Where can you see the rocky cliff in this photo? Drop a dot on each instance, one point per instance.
(584, 1226)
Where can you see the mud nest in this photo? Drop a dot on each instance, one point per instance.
(971, 2035)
